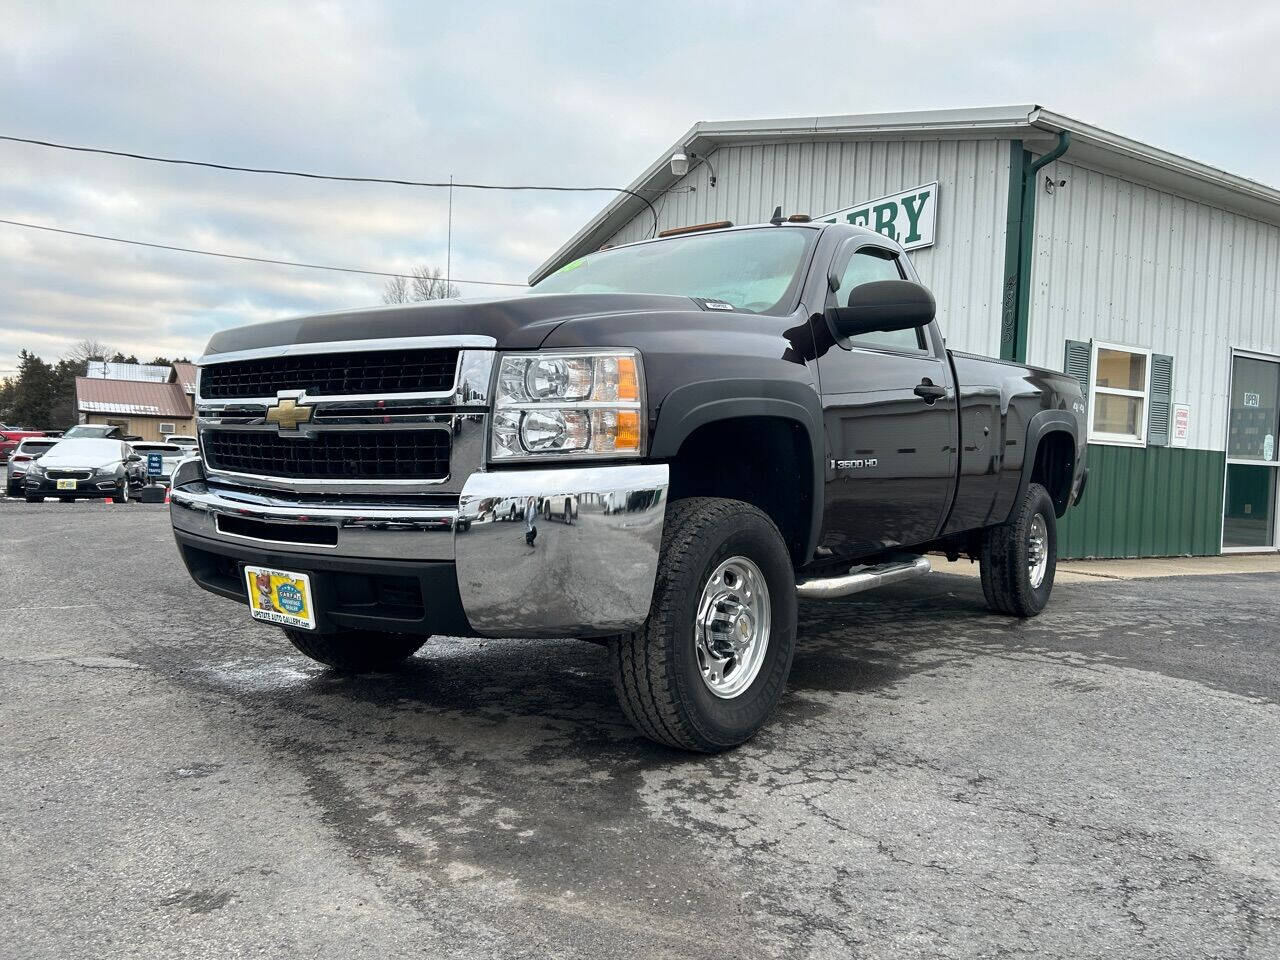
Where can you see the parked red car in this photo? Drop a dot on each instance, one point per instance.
(9, 440)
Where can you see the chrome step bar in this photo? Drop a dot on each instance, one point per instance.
(859, 579)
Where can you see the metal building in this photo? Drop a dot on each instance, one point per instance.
(1151, 277)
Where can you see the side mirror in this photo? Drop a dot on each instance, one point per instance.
(134, 458)
(883, 305)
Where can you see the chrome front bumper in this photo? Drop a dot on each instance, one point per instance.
(589, 571)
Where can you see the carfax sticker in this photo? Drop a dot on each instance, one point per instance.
(280, 597)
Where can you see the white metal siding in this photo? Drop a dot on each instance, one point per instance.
(1131, 264)
(965, 267)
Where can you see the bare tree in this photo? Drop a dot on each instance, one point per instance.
(396, 291)
(90, 349)
(428, 283)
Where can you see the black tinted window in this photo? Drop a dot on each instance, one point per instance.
(867, 266)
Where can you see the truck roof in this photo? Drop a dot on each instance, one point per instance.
(822, 225)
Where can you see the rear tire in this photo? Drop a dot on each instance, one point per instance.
(1019, 558)
(663, 678)
(357, 651)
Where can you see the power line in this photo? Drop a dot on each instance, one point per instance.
(237, 256)
(325, 176)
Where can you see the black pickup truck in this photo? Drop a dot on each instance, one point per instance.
(661, 447)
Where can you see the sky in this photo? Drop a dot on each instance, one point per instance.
(578, 94)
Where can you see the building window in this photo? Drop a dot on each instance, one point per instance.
(1119, 393)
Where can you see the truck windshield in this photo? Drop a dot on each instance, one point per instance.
(754, 270)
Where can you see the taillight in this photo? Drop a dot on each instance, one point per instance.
(21, 457)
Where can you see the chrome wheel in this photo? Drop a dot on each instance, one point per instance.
(731, 633)
(1037, 551)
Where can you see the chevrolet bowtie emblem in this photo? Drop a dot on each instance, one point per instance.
(288, 413)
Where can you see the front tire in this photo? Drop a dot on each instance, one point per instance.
(709, 665)
(357, 651)
(121, 495)
(35, 499)
(1019, 558)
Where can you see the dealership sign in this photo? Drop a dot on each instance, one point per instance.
(908, 217)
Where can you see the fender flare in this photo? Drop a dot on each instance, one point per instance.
(1044, 422)
(694, 405)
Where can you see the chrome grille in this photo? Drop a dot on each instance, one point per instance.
(332, 454)
(374, 372)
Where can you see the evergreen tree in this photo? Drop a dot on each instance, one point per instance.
(34, 394)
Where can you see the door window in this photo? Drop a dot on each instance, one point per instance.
(1255, 410)
(867, 266)
(1249, 509)
(1253, 462)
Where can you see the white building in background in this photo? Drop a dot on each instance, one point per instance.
(1151, 277)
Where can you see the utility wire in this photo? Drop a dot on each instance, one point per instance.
(236, 256)
(324, 176)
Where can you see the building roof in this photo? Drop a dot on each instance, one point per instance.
(185, 374)
(107, 370)
(138, 398)
(1037, 127)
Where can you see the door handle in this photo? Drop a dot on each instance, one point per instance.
(928, 391)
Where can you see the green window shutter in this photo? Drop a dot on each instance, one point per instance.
(1076, 364)
(1158, 405)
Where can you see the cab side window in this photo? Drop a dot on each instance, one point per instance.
(866, 266)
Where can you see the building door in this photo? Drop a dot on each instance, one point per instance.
(1253, 462)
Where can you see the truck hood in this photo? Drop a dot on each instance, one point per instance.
(519, 323)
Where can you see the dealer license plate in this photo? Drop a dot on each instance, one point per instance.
(66, 484)
(280, 597)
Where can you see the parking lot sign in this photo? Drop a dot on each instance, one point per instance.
(155, 464)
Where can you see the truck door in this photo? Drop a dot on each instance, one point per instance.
(889, 406)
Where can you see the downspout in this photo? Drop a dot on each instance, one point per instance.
(1021, 235)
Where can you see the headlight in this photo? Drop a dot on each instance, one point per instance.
(569, 405)
(106, 471)
(35, 470)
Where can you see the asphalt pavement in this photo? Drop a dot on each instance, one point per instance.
(176, 781)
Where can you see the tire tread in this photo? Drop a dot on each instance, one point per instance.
(1004, 581)
(644, 673)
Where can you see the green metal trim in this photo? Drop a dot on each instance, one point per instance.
(1152, 502)
(1018, 160)
(1013, 328)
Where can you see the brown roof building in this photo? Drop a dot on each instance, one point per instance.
(139, 407)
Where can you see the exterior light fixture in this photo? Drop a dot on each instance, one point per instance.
(679, 164)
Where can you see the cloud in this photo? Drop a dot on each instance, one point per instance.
(567, 93)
